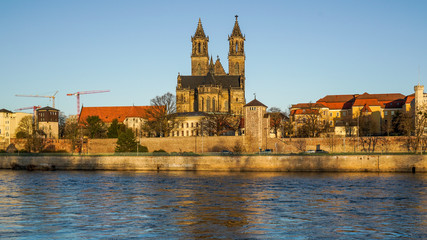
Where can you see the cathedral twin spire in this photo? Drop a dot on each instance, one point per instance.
(200, 64)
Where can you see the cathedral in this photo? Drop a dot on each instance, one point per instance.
(209, 88)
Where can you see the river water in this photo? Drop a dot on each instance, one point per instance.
(197, 205)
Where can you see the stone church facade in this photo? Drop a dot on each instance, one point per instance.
(209, 88)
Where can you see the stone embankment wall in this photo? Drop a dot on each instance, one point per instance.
(217, 144)
(349, 163)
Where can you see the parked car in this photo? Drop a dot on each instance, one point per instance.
(310, 151)
(267, 151)
(226, 152)
(321, 151)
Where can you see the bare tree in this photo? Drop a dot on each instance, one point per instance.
(161, 116)
(34, 138)
(311, 121)
(300, 145)
(403, 123)
(276, 120)
(420, 125)
(25, 127)
(217, 123)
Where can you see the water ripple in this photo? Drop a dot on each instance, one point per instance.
(194, 205)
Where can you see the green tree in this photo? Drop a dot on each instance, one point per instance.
(126, 142)
(114, 129)
(72, 132)
(95, 127)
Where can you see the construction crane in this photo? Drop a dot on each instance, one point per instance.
(77, 94)
(51, 97)
(26, 108)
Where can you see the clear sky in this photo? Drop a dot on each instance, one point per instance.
(296, 51)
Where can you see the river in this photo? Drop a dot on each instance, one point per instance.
(197, 205)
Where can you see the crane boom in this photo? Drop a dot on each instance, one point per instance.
(77, 94)
(52, 97)
(25, 108)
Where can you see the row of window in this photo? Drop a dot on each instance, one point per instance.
(185, 133)
(182, 125)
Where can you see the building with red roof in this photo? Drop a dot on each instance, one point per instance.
(131, 116)
(340, 112)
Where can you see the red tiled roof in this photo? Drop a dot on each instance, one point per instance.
(409, 98)
(347, 101)
(337, 98)
(308, 105)
(366, 108)
(303, 111)
(108, 114)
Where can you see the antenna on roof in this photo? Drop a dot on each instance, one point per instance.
(254, 95)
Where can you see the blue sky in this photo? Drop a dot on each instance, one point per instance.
(296, 51)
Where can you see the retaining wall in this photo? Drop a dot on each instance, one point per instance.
(349, 163)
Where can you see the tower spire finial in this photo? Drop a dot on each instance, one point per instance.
(236, 17)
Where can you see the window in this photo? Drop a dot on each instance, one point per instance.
(199, 47)
(197, 124)
(177, 133)
(199, 69)
(208, 104)
(344, 114)
(237, 47)
(392, 112)
(385, 113)
(213, 105)
(338, 114)
(203, 104)
(226, 105)
(330, 114)
(182, 133)
(192, 125)
(187, 133)
(187, 125)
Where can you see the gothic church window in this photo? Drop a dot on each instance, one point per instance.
(237, 47)
(203, 104)
(198, 48)
(213, 105)
(199, 69)
(226, 105)
(208, 104)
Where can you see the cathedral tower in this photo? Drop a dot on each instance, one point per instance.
(199, 54)
(236, 54)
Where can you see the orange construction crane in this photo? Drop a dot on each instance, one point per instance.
(51, 97)
(77, 94)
